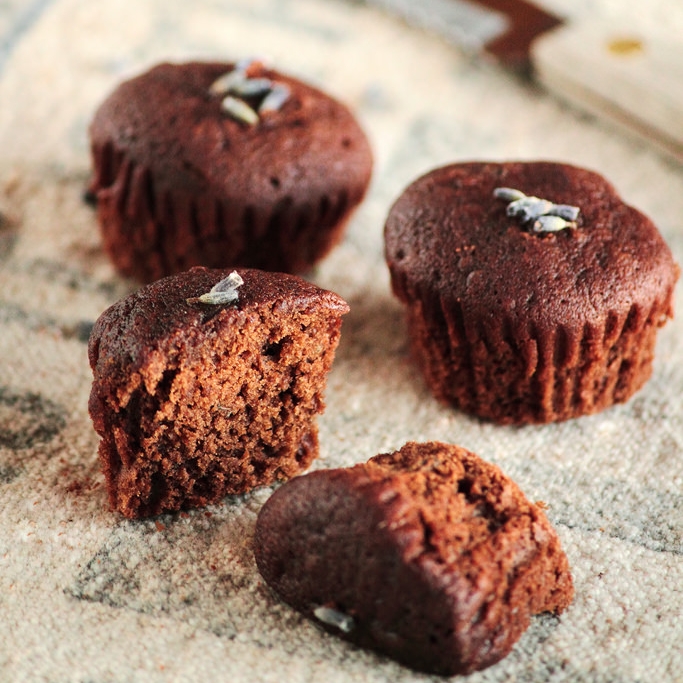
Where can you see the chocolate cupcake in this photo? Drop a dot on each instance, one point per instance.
(533, 292)
(429, 555)
(207, 383)
(223, 165)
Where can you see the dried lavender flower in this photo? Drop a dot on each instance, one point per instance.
(244, 63)
(333, 617)
(251, 87)
(227, 82)
(239, 110)
(236, 86)
(545, 216)
(529, 208)
(274, 100)
(569, 213)
(551, 223)
(508, 194)
(223, 292)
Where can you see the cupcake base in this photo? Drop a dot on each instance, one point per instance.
(149, 232)
(518, 375)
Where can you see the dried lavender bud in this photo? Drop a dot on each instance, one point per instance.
(274, 100)
(551, 223)
(224, 292)
(246, 63)
(239, 110)
(332, 617)
(569, 213)
(251, 87)
(529, 208)
(227, 82)
(508, 194)
(546, 216)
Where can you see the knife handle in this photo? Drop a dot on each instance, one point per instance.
(635, 81)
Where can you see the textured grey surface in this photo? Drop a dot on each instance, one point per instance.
(86, 596)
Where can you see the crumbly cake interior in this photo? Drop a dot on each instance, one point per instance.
(466, 507)
(231, 407)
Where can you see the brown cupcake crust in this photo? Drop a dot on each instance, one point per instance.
(156, 317)
(177, 177)
(436, 555)
(196, 401)
(560, 312)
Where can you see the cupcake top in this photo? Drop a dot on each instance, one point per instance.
(156, 318)
(197, 128)
(451, 235)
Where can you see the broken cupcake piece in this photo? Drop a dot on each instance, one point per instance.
(223, 165)
(429, 555)
(208, 383)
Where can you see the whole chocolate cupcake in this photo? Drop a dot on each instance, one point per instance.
(223, 165)
(429, 555)
(533, 292)
(208, 383)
